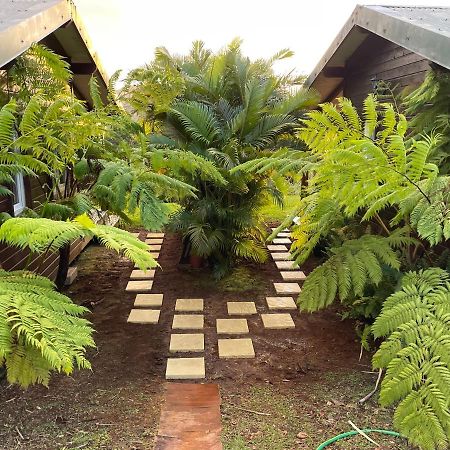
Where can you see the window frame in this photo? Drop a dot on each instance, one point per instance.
(19, 203)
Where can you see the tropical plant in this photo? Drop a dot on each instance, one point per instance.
(40, 329)
(229, 111)
(378, 204)
(415, 322)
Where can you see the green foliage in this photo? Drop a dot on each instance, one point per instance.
(350, 269)
(41, 330)
(429, 108)
(226, 110)
(38, 70)
(45, 235)
(415, 324)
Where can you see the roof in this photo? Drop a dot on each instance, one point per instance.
(422, 30)
(57, 24)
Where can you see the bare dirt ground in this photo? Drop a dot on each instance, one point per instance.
(300, 390)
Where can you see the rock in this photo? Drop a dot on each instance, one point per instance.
(302, 435)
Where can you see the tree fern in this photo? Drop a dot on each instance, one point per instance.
(46, 235)
(41, 330)
(350, 269)
(416, 352)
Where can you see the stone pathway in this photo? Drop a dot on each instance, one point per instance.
(190, 418)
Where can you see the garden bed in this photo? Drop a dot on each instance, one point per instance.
(304, 382)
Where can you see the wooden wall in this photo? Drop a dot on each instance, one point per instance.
(380, 59)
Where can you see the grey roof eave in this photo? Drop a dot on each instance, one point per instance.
(16, 38)
(429, 43)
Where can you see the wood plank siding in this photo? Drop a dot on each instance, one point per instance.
(378, 59)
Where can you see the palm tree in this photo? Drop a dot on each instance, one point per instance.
(230, 110)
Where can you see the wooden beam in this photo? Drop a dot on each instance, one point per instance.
(83, 68)
(334, 72)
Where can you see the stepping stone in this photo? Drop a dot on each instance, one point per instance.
(138, 274)
(187, 322)
(155, 248)
(277, 248)
(282, 256)
(154, 255)
(189, 304)
(155, 235)
(284, 234)
(281, 303)
(187, 343)
(281, 241)
(231, 326)
(148, 300)
(287, 288)
(286, 230)
(277, 321)
(241, 308)
(143, 316)
(157, 241)
(295, 275)
(185, 368)
(286, 265)
(139, 286)
(236, 348)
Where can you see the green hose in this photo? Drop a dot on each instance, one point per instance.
(353, 433)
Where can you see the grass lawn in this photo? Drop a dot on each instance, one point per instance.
(273, 213)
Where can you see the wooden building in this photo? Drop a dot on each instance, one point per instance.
(390, 44)
(56, 24)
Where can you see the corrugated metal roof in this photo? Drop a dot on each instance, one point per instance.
(23, 22)
(420, 29)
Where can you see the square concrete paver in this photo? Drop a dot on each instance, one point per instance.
(284, 234)
(286, 265)
(281, 256)
(277, 321)
(241, 308)
(281, 303)
(189, 304)
(139, 286)
(155, 248)
(154, 241)
(187, 342)
(148, 300)
(185, 368)
(187, 322)
(281, 241)
(236, 348)
(231, 326)
(155, 235)
(277, 248)
(294, 275)
(287, 288)
(143, 316)
(138, 274)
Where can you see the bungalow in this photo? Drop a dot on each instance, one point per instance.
(56, 24)
(390, 44)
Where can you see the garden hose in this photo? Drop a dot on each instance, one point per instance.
(353, 433)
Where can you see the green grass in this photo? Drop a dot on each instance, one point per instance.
(300, 415)
(273, 213)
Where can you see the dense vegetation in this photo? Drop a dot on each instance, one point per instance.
(228, 110)
(221, 135)
(377, 206)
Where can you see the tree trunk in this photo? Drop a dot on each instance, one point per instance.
(63, 268)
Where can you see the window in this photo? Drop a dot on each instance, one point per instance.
(19, 194)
